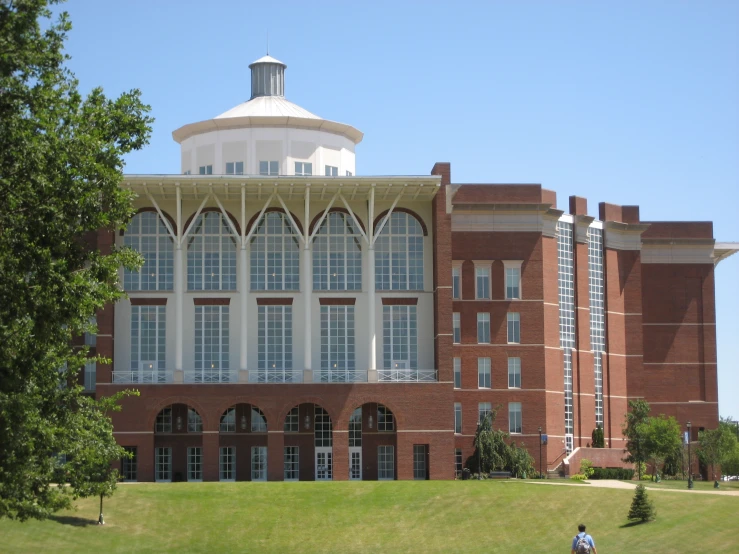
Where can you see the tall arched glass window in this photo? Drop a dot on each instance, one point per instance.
(337, 254)
(399, 254)
(275, 254)
(147, 234)
(211, 254)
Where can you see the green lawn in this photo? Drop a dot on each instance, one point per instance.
(428, 516)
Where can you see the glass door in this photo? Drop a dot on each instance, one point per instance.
(324, 463)
(355, 463)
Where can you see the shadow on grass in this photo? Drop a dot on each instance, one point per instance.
(73, 520)
(632, 524)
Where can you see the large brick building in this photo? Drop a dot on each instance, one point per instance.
(295, 321)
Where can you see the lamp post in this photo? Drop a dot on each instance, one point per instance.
(541, 475)
(690, 465)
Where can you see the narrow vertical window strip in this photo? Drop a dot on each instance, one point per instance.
(566, 319)
(597, 314)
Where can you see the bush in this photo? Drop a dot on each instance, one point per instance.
(612, 473)
(578, 477)
(642, 509)
(586, 468)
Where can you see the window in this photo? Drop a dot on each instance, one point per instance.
(211, 254)
(148, 334)
(349, 174)
(337, 254)
(147, 235)
(258, 421)
(269, 168)
(275, 343)
(90, 376)
(291, 463)
(456, 328)
(258, 463)
(194, 463)
(457, 282)
(419, 461)
(597, 314)
(482, 283)
(129, 465)
(483, 373)
(187, 172)
(275, 254)
(205, 170)
(512, 280)
(211, 344)
(514, 417)
(514, 327)
(332, 171)
(457, 373)
(483, 328)
(228, 421)
(292, 421)
(194, 421)
(399, 254)
(337, 344)
(164, 421)
(458, 461)
(400, 337)
(484, 409)
(234, 168)
(457, 417)
(385, 463)
(227, 463)
(355, 428)
(91, 338)
(163, 464)
(385, 419)
(322, 428)
(303, 168)
(514, 373)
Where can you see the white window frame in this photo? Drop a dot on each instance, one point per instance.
(398, 253)
(212, 340)
(349, 174)
(458, 418)
(456, 328)
(194, 464)
(194, 421)
(258, 463)
(90, 376)
(483, 408)
(227, 463)
(163, 460)
(512, 266)
(457, 281)
(392, 347)
(291, 463)
(514, 372)
(269, 167)
(457, 373)
(483, 328)
(259, 422)
(275, 352)
(337, 254)
(331, 171)
(484, 373)
(157, 341)
(158, 261)
(513, 320)
(304, 169)
(264, 256)
(292, 421)
(205, 169)
(385, 463)
(515, 418)
(483, 272)
(234, 168)
(338, 351)
(202, 247)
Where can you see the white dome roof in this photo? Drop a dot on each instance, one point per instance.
(268, 106)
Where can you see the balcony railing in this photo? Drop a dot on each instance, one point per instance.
(336, 376)
(210, 376)
(406, 375)
(142, 377)
(275, 376)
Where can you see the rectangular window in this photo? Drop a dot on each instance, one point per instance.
(227, 464)
(269, 168)
(457, 373)
(292, 421)
(458, 461)
(234, 168)
(457, 417)
(148, 333)
(275, 344)
(90, 377)
(332, 171)
(483, 373)
(419, 461)
(205, 170)
(385, 463)
(457, 282)
(513, 283)
(514, 327)
(385, 420)
(194, 463)
(292, 463)
(187, 172)
(483, 410)
(303, 168)
(258, 463)
(514, 417)
(337, 344)
(456, 328)
(163, 422)
(163, 464)
(349, 174)
(211, 345)
(91, 336)
(482, 283)
(514, 373)
(129, 466)
(483, 328)
(400, 337)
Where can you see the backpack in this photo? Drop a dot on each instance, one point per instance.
(582, 546)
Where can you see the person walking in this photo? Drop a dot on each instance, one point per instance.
(583, 543)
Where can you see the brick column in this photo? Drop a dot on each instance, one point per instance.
(210, 456)
(275, 456)
(442, 284)
(341, 456)
(105, 319)
(145, 457)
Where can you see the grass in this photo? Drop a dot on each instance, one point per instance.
(428, 516)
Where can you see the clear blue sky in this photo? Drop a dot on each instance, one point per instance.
(623, 102)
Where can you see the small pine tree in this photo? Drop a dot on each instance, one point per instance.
(642, 509)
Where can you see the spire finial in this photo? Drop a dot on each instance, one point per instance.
(268, 42)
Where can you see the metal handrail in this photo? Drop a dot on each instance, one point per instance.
(275, 376)
(339, 376)
(142, 377)
(210, 376)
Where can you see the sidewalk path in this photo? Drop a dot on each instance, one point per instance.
(613, 484)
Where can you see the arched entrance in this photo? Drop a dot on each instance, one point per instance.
(242, 452)
(372, 443)
(308, 450)
(178, 444)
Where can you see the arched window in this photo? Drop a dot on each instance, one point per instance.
(147, 234)
(211, 254)
(385, 419)
(258, 421)
(164, 421)
(228, 421)
(337, 254)
(194, 421)
(399, 254)
(275, 254)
